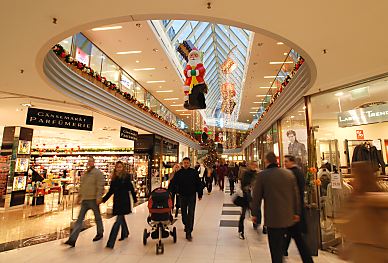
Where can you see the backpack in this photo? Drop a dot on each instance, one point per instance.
(160, 201)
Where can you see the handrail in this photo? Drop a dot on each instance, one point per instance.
(148, 97)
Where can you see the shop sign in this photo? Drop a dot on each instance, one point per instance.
(360, 134)
(367, 115)
(58, 119)
(336, 181)
(128, 134)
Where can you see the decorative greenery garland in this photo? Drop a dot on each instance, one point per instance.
(62, 53)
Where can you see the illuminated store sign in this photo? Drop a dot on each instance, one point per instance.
(58, 119)
(367, 115)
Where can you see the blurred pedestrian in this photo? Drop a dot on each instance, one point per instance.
(173, 192)
(366, 218)
(295, 232)
(120, 187)
(231, 177)
(209, 175)
(278, 188)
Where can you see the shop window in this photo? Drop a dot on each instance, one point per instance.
(127, 83)
(83, 48)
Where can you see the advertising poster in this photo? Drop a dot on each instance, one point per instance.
(24, 147)
(22, 165)
(19, 183)
(294, 143)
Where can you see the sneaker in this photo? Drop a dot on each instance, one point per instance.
(241, 235)
(69, 243)
(98, 237)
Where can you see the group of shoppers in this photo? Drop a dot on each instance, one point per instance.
(91, 195)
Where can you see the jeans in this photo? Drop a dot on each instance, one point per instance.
(221, 181)
(85, 206)
(120, 221)
(275, 240)
(209, 184)
(295, 233)
(231, 186)
(188, 210)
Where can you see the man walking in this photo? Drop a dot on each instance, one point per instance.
(279, 190)
(299, 228)
(187, 184)
(90, 196)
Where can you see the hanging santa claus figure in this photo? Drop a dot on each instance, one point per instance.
(195, 87)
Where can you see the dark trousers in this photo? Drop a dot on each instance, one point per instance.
(242, 218)
(275, 240)
(209, 183)
(120, 222)
(295, 233)
(221, 181)
(188, 210)
(85, 206)
(231, 186)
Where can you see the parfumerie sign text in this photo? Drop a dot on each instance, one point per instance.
(372, 114)
(58, 119)
(128, 134)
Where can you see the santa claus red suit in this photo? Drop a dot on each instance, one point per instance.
(195, 86)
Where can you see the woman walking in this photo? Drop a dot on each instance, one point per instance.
(120, 187)
(209, 174)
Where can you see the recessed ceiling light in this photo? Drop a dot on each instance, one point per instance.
(26, 104)
(185, 114)
(285, 53)
(269, 77)
(253, 112)
(176, 105)
(280, 62)
(247, 120)
(301, 111)
(180, 110)
(128, 52)
(106, 28)
(280, 43)
(156, 81)
(257, 102)
(143, 69)
(292, 116)
(155, 50)
(339, 94)
(172, 99)
(137, 61)
(304, 107)
(255, 108)
(164, 91)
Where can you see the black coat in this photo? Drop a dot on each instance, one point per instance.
(301, 185)
(120, 188)
(186, 182)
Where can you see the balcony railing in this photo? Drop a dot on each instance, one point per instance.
(86, 52)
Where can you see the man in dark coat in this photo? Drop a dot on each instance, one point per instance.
(279, 190)
(187, 184)
(296, 230)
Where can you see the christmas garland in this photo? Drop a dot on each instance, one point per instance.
(274, 97)
(62, 53)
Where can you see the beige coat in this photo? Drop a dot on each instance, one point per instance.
(365, 226)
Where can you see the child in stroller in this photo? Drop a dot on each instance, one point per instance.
(160, 218)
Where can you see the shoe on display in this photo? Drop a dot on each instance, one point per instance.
(69, 243)
(241, 235)
(98, 237)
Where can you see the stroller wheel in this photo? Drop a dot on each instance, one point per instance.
(174, 234)
(145, 236)
(159, 248)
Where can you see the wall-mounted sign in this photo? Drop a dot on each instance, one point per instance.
(128, 134)
(367, 115)
(58, 119)
(360, 134)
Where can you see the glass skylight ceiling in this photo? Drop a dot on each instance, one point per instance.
(216, 41)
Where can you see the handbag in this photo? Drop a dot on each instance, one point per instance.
(240, 201)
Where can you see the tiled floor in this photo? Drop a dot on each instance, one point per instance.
(211, 243)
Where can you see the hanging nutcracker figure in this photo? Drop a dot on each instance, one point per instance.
(195, 87)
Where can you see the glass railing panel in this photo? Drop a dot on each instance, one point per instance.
(110, 70)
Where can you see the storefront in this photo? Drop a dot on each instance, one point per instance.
(329, 131)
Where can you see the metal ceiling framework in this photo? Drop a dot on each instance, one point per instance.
(215, 41)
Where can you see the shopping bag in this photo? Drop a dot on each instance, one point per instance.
(240, 201)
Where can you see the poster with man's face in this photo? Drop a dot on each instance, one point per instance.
(294, 143)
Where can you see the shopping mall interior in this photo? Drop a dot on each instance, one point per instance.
(149, 83)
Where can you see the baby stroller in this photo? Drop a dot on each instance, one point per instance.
(160, 218)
